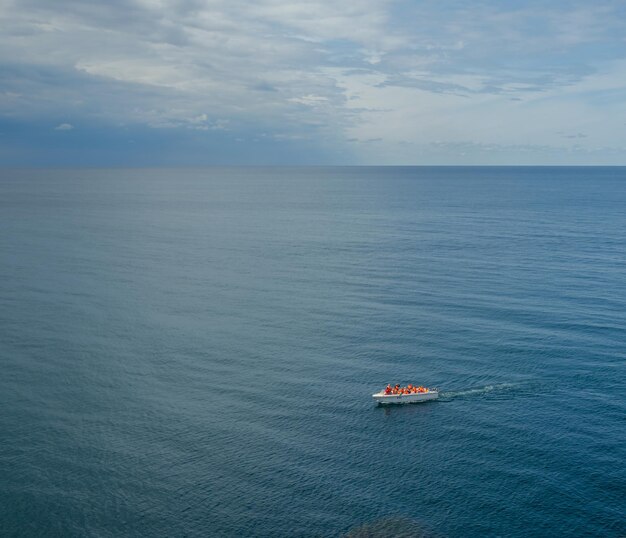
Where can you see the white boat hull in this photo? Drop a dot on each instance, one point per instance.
(415, 397)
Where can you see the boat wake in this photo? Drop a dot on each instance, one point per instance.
(496, 391)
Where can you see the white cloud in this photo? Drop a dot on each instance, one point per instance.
(409, 120)
(405, 73)
(309, 100)
(64, 127)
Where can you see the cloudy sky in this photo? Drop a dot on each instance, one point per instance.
(193, 82)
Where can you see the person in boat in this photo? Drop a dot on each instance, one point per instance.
(388, 389)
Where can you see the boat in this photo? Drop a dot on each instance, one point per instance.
(425, 394)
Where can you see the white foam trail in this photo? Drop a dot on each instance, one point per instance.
(477, 391)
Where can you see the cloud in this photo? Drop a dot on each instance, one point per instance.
(64, 127)
(320, 71)
(310, 100)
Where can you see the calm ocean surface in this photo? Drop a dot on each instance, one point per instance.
(193, 352)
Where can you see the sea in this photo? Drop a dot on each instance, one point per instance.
(193, 352)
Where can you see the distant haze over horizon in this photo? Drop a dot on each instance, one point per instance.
(382, 82)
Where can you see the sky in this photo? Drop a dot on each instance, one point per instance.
(312, 82)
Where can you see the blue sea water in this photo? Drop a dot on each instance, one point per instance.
(193, 352)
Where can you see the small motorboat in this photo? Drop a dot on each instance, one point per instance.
(402, 396)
